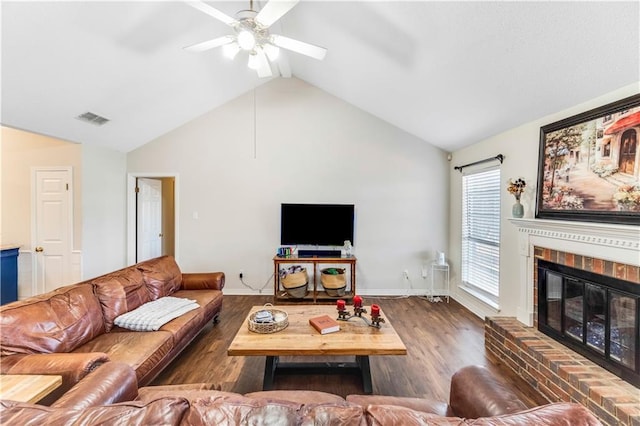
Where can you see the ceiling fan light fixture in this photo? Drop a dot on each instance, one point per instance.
(252, 35)
(246, 40)
(230, 50)
(272, 51)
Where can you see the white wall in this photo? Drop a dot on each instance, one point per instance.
(104, 207)
(21, 152)
(309, 147)
(520, 148)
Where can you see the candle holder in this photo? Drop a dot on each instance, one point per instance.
(358, 310)
(344, 315)
(376, 320)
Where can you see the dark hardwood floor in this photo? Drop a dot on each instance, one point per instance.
(440, 338)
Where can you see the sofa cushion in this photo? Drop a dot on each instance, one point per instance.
(419, 404)
(240, 411)
(209, 300)
(161, 275)
(344, 414)
(163, 411)
(187, 326)
(382, 415)
(58, 321)
(142, 351)
(560, 413)
(551, 414)
(298, 396)
(190, 392)
(120, 292)
(17, 413)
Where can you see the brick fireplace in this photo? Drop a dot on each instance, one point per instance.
(556, 371)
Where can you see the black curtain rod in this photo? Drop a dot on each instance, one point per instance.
(498, 157)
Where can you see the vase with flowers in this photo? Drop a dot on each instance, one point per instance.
(516, 187)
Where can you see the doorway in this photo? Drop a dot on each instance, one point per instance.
(628, 149)
(152, 219)
(52, 227)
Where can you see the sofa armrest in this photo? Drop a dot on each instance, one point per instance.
(71, 366)
(110, 383)
(475, 393)
(202, 281)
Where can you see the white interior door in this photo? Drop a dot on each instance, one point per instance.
(53, 231)
(149, 219)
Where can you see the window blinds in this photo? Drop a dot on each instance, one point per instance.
(481, 232)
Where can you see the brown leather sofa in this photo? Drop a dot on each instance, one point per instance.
(476, 398)
(70, 331)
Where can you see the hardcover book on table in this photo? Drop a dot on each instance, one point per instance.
(324, 324)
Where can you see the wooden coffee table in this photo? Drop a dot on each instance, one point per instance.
(355, 338)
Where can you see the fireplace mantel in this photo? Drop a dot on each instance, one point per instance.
(618, 243)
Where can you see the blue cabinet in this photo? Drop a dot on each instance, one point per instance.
(9, 275)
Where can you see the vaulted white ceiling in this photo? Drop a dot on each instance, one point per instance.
(451, 73)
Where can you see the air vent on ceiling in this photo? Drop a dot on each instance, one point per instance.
(92, 118)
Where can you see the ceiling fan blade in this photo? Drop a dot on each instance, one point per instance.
(209, 44)
(301, 47)
(264, 68)
(283, 65)
(274, 10)
(212, 11)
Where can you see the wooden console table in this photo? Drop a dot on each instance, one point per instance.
(317, 294)
(27, 388)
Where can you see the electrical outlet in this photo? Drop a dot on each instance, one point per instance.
(241, 274)
(424, 272)
(406, 274)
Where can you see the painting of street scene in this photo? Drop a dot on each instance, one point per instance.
(593, 165)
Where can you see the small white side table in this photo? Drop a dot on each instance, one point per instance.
(439, 282)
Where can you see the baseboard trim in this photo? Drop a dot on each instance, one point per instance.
(367, 292)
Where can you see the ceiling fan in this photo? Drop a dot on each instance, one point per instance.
(251, 34)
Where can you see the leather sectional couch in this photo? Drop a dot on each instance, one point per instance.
(70, 331)
(476, 398)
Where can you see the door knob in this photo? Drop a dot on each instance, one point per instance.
(160, 235)
(39, 249)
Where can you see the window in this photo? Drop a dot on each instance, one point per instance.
(481, 234)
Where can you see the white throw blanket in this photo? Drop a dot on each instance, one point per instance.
(153, 315)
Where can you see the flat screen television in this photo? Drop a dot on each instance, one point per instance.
(316, 224)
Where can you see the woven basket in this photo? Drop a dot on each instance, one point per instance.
(295, 280)
(334, 285)
(296, 284)
(279, 323)
(297, 292)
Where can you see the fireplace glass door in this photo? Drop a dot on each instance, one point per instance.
(574, 309)
(623, 332)
(598, 319)
(554, 301)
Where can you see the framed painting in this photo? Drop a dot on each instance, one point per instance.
(589, 166)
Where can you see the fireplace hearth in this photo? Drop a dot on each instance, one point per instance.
(595, 315)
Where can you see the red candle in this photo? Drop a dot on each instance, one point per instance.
(341, 305)
(375, 310)
(357, 302)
